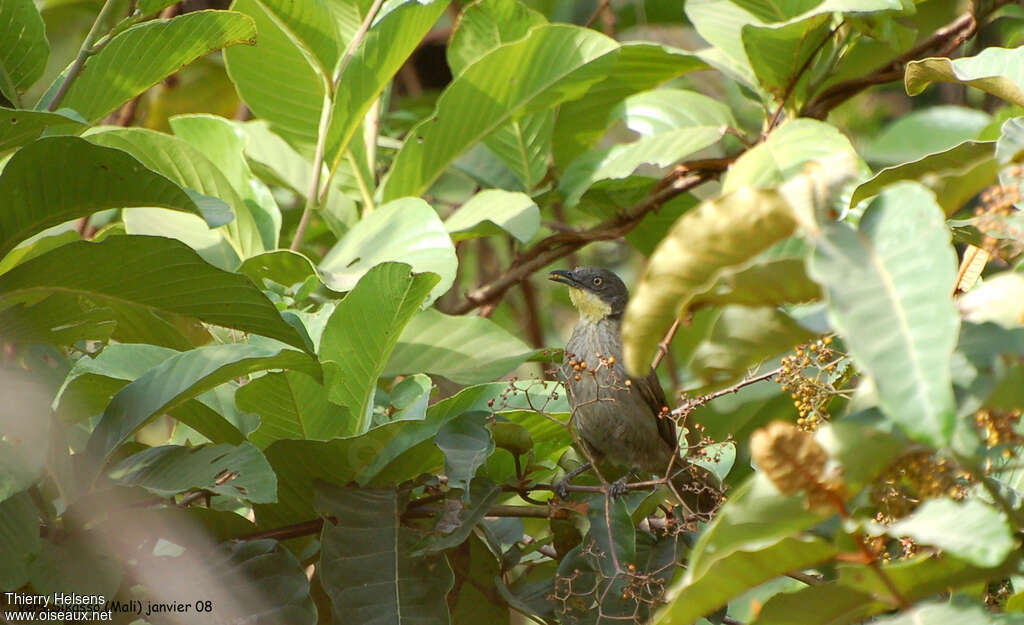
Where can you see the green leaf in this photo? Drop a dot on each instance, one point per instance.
(1010, 145)
(452, 532)
(786, 152)
(363, 330)
(292, 405)
(19, 540)
(265, 570)
(741, 338)
(768, 280)
(485, 25)
(998, 71)
(25, 424)
(889, 289)
(169, 470)
(190, 167)
(179, 379)
(639, 66)
(524, 145)
(283, 267)
(566, 61)
(662, 110)
(467, 350)
(147, 276)
(76, 565)
(494, 211)
(145, 54)
(972, 530)
(755, 515)
(741, 570)
(57, 179)
(955, 161)
(619, 161)
(23, 49)
(367, 546)
(382, 53)
(466, 443)
(957, 611)
(18, 128)
(999, 299)
(927, 131)
(406, 231)
(223, 143)
(702, 244)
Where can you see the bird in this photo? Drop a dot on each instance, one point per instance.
(622, 420)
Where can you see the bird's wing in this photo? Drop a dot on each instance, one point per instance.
(654, 396)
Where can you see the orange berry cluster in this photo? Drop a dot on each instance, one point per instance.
(999, 428)
(811, 392)
(995, 216)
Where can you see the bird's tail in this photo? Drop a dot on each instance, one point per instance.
(697, 489)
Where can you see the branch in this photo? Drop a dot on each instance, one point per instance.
(703, 399)
(312, 198)
(799, 74)
(84, 53)
(940, 43)
(561, 244)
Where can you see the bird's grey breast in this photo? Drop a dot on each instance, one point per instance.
(609, 413)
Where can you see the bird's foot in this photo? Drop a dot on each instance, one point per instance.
(618, 488)
(561, 488)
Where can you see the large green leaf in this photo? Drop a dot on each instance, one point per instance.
(638, 66)
(18, 128)
(971, 530)
(959, 610)
(407, 231)
(301, 39)
(19, 539)
(372, 67)
(565, 59)
(181, 378)
(485, 25)
(367, 547)
(363, 330)
(172, 469)
(25, 423)
(466, 443)
(223, 143)
(999, 71)
(190, 167)
(467, 350)
(889, 287)
(494, 211)
(701, 245)
(58, 179)
(271, 575)
(145, 54)
(927, 131)
(955, 162)
(619, 161)
(92, 383)
(785, 153)
(292, 405)
(147, 276)
(23, 48)
(739, 571)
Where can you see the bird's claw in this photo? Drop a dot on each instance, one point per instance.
(561, 488)
(618, 488)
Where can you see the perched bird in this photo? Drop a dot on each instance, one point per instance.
(622, 420)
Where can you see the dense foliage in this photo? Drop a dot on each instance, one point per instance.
(277, 346)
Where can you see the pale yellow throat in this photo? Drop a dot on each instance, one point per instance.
(592, 308)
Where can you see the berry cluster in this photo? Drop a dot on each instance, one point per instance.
(999, 428)
(913, 478)
(998, 218)
(809, 375)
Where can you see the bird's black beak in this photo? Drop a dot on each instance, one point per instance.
(564, 276)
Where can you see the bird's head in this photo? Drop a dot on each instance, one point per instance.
(597, 293)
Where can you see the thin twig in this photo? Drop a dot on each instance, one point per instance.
(663, 346)
(704, 399)
(604, 4)
(799, 74)
(562, 244)
(84, 53)
(312, 198)
(940, 43)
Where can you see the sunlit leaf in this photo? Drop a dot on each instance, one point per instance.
(999, 71)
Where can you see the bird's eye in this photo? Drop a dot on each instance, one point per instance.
(597, 281)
